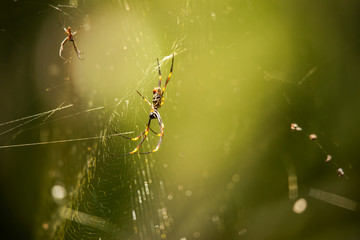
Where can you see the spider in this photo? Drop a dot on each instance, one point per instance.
(70, 37)
(157, 101)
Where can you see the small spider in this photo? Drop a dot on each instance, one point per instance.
(70, 37)
(157, 101)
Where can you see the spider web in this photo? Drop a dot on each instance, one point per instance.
(117, 197)
(243, 73)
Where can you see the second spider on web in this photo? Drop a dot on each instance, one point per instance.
(70, 37)
(157, 101)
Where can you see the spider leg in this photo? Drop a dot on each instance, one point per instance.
(138, 146)
(145, 133)
(171, 69)
(62, 47)
(144, 98)
(159, 72)
(136, 138)
(161, 134)
(61, 24)
(76, 31)
(153, 131)
(77, 50)
(167, 80)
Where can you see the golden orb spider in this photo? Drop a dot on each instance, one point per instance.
(157, 101)
(70, 37)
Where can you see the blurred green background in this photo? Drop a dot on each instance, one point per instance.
(229, 166)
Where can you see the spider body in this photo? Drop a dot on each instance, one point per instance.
(157, 97)
(70, 34)
(70, 37)
(157, 101)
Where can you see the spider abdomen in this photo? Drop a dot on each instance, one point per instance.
(153, 115)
